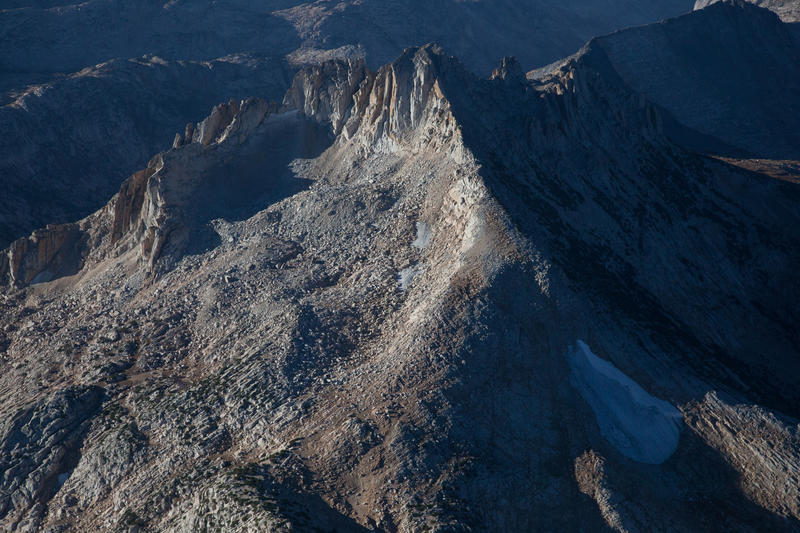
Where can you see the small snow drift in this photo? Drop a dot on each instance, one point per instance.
(423, 236)
(642, 427)
(406, 276)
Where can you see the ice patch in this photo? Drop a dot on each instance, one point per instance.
(406, 276)
(63, 477)
(640, 426)
(423, 236)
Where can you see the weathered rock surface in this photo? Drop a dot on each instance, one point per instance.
(40, 445)
(325, 92)
(238, 302)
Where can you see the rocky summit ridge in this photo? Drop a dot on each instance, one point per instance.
(414, 299)
(90, 90)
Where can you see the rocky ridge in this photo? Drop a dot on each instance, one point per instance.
(77, 138)
(145, 70)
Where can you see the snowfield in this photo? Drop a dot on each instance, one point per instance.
(642, 427)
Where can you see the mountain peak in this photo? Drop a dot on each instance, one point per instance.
(410, 298)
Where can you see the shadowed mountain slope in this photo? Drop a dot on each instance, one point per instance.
(730, 72)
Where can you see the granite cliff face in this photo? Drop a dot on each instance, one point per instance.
(413, 299)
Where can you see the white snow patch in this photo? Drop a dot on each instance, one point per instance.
(423, 239)
(640, 426)
(406, 276)
(63, 477)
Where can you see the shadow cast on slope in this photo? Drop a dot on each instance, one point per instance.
(514, 407)
(252, 179)
(280, 490)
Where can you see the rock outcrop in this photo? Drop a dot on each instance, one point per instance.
(48, 253)
(325, 92)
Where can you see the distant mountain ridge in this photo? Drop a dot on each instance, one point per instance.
(788, 10)
(74, 140)
(48, 47)
(736, 82)
(71, 36)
